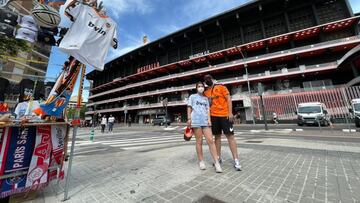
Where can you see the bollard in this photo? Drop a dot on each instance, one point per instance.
(92, 135)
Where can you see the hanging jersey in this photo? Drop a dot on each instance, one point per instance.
(90, 36)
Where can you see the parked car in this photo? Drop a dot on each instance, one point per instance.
(314, 113)
(161, 120)
(355, 110)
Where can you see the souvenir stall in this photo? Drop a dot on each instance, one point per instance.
(33, 139)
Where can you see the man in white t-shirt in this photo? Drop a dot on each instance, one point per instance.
(90, 36)
(111, 122)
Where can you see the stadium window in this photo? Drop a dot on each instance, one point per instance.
(301, 19)
(330, 11)
(185, 52)
(199, 46)
(232, 38)
(215, 43)
(275, 26)
(252, 32)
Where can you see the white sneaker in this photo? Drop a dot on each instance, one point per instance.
(218, 168)
(202, 165)
(237, 165)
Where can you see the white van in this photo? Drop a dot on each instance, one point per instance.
(355, 110)
(312, 113)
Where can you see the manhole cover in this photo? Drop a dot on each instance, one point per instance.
(207, 199)
(254, 141)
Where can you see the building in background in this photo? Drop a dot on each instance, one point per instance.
(17, 70)
(73, 102)
(294, 48)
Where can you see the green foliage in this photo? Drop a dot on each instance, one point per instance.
(71, 112)
(12, 46)
(82, 112)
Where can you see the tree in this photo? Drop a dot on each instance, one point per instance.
(70, 113)
(12, 46)
(82, 112)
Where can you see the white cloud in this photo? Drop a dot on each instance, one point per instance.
(119, 7)
(207, 8)
(167, 29)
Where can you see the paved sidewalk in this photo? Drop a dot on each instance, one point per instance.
(274, 170)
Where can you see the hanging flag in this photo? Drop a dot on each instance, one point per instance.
(60, 94)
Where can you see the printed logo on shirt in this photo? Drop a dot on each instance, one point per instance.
(200, 103)
(97, 29)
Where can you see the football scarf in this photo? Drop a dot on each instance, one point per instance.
(18, 149)
(39, 165)
(59, 96)
(58, 133)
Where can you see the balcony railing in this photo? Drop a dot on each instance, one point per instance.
(309, 48)
(272, 74)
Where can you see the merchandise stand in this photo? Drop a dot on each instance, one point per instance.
(31, 156)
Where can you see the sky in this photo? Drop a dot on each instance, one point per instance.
(153, 18)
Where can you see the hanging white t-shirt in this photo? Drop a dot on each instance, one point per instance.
(90, 36)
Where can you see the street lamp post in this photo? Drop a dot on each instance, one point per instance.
(260, 92)
(125, 112)
(248, 84)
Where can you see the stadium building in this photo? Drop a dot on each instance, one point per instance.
(295, 48)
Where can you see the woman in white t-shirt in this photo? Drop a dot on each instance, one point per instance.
(198, 112)
(103, 124)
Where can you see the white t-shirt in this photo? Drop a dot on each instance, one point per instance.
(22, 109)
(111, 119)
(103, 121)
(90, 36)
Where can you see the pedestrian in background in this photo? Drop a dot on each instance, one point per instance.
(111, 122)
(103, 124)
(275, 118)
(198, 112)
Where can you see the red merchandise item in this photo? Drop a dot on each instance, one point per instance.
(188, 134)
(4, 108)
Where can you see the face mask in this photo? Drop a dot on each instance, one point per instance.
(209, 83)
(200, 89)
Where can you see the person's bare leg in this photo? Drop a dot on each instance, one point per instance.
(233, 146)
(199, 137)
(209, 140)
(218, 145)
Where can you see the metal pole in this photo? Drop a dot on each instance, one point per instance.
(125, 120)
(263, 112)
(251, 105)
(248, 83)
(347, 106)
(67, 181)
(166, 117)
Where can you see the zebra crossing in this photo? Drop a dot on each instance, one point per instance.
(118, 142)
